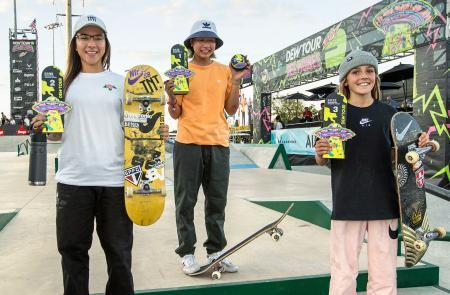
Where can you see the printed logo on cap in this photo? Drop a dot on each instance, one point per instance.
(92, 19)
(349, 58)
(206, 25)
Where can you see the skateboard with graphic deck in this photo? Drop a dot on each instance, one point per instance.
(144, 146)
(410, 176)
(179, 71)
(215, 266)
(334, 122)
(52, 105)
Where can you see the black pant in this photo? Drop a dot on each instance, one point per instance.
(209, 166)
(76, 209)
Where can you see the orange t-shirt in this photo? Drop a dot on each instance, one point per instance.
(202, 120)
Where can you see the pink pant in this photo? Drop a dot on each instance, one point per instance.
(346, 239)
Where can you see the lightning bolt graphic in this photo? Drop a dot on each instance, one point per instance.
(432, 34)
(440, 128)
(445, 170)
(364, 15)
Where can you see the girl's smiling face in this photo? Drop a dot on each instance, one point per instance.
(361, 80)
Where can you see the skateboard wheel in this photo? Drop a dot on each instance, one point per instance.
(434, 145)
(276, 237)
(280, 231)
(163, 99)
(128, 98)
(412, 157)
(163, 190)
(420, 246)
(129, 192)
(216, 275)
(440, 231)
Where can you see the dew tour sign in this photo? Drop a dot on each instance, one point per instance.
(388, 29)
(385, 29)
(23, 76)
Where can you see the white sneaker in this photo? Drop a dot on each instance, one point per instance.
(227, 265)
(189, 263)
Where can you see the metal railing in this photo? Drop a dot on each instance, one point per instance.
(23, 148)
(437, 191)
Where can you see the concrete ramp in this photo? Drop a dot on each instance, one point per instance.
(269, 156)
(238, 160)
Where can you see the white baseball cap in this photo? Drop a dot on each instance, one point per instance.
(203, 29)
(88, 20)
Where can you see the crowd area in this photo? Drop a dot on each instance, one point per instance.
(25, 120)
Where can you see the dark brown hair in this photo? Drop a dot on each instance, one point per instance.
(74, 62)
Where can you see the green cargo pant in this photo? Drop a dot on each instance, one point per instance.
(208, 165)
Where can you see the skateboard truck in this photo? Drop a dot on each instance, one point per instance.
(217, 273)
(414, 155)
(424, 238)
(144, 97)
(145, 190)
(276, 234)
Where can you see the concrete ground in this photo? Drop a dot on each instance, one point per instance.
(30, 263)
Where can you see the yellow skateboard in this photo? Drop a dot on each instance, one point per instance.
(145, 190)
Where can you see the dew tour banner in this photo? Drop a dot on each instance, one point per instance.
(23, 76)
(385, 29)
(388, 29)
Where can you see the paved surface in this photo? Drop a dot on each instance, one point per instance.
(30, 264)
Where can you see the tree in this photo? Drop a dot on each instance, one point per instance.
(287, 108)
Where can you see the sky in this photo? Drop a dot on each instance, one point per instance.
(143, 31)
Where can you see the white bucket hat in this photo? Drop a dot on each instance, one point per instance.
(88, 20)
(203, 29)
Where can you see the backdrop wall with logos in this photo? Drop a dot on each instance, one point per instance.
(389, 29)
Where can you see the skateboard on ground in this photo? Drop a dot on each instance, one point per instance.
(52, 104)
(271, 229)
(179, 69)
(144, 181)
(410, 177)
(334, 122)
